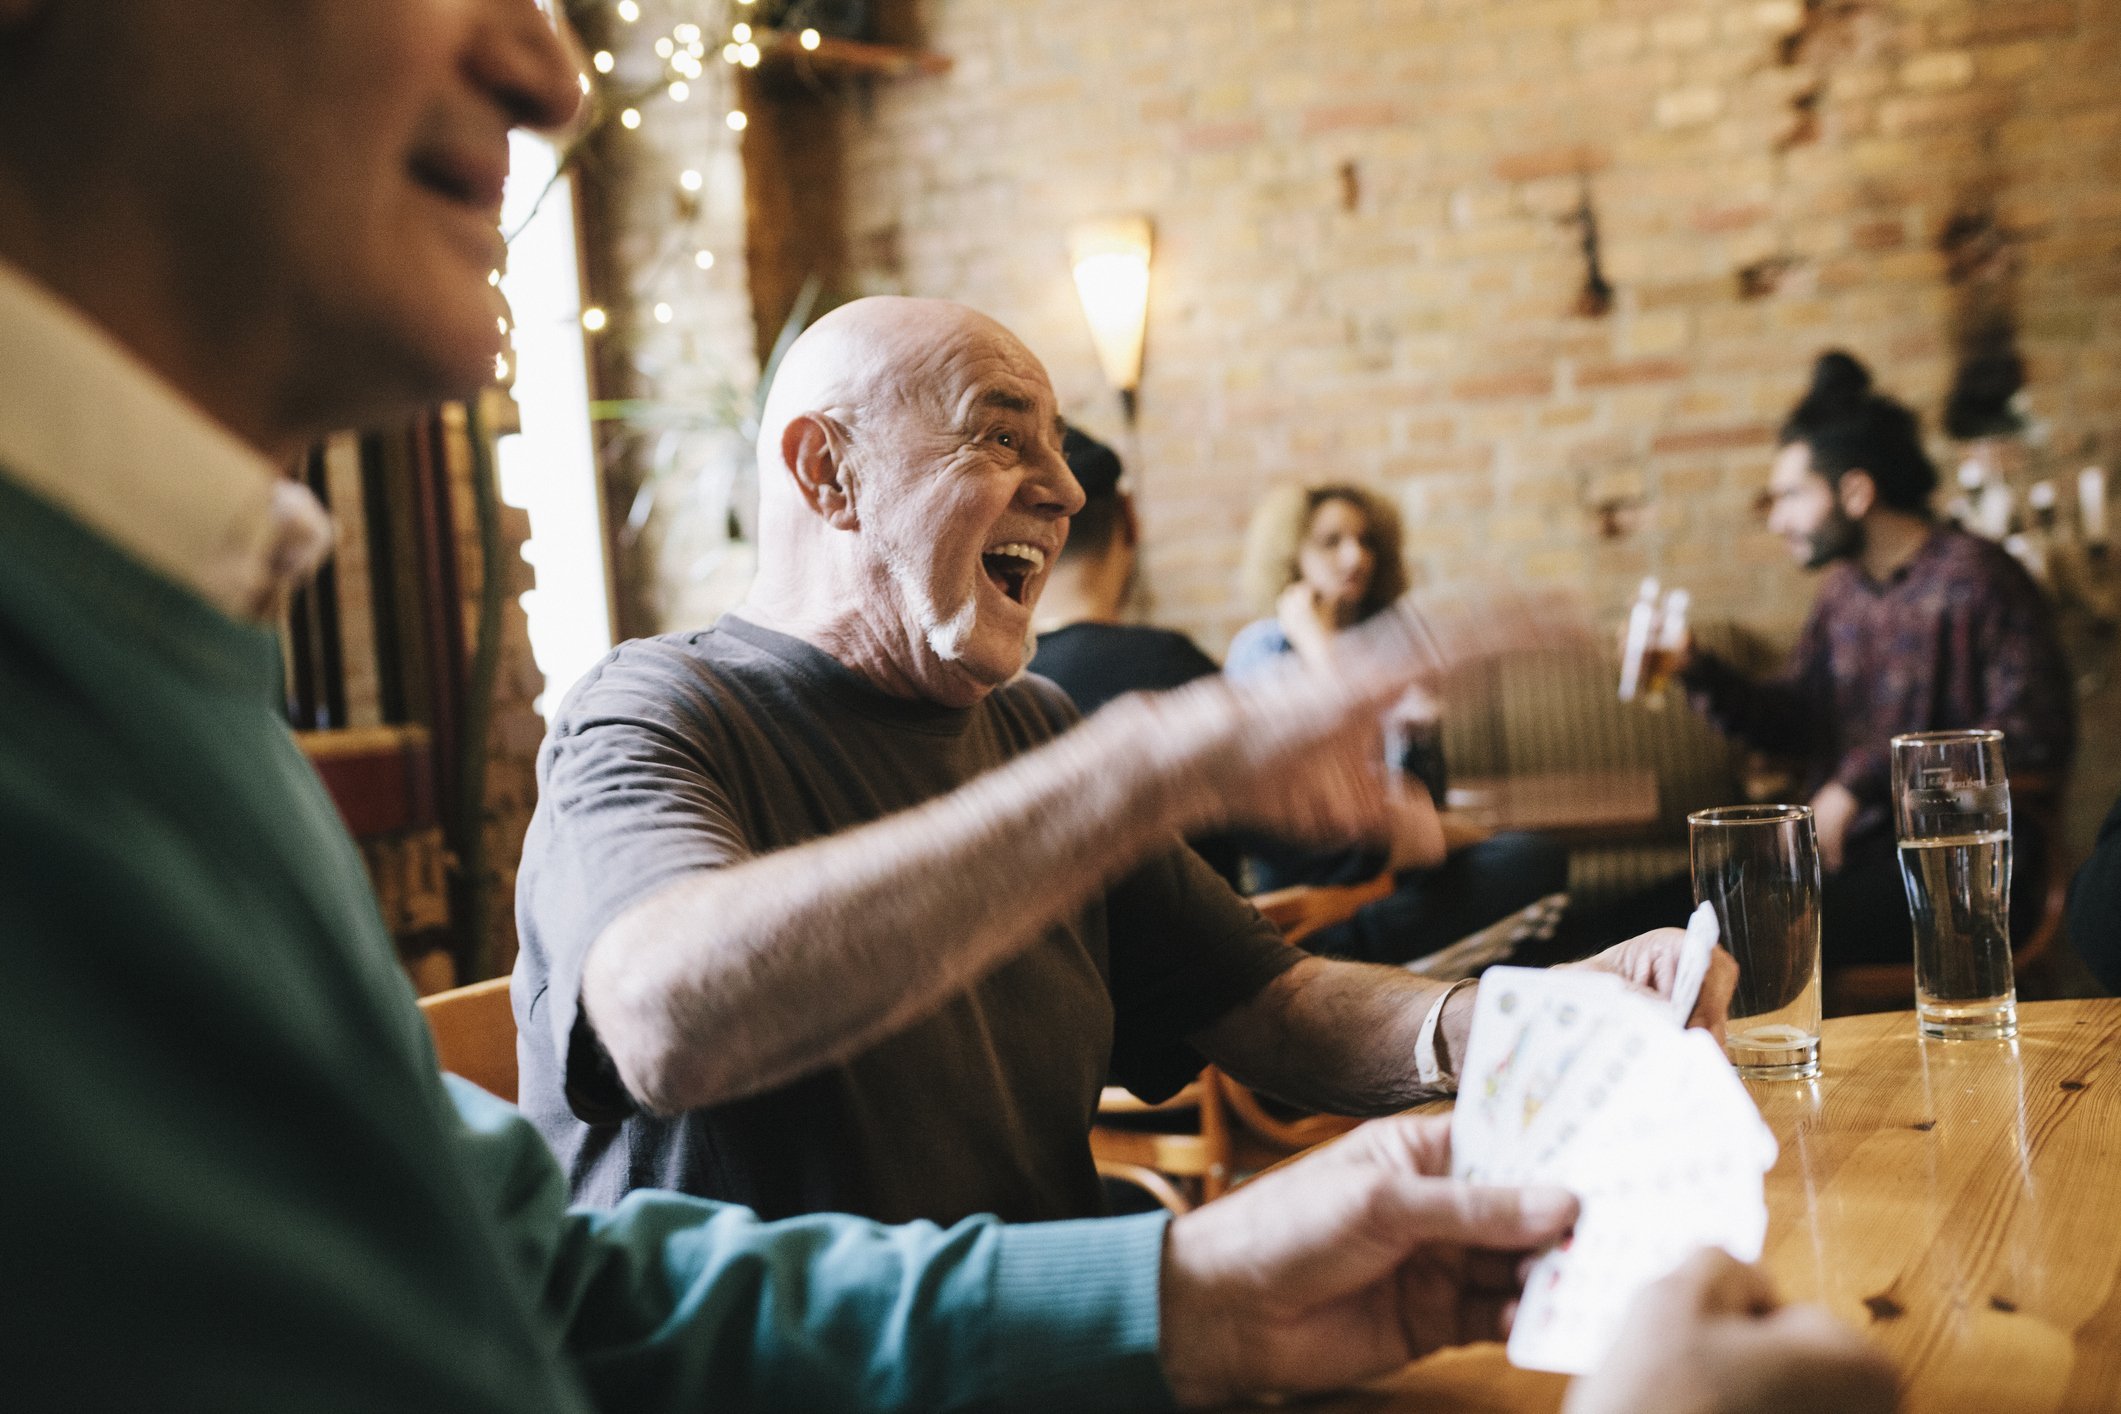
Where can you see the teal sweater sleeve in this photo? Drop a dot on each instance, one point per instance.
(670, 1303)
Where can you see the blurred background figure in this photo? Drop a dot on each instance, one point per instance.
(1082, 644)
(1323, 559)
(1916, 627)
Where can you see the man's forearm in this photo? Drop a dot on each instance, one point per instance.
(1341, 1037)
(736, 980)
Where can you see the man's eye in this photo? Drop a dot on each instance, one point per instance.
(1007, 439)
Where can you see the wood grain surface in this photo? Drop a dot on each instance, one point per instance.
(1959, 1202)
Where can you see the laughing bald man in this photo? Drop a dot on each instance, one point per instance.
(821, 909)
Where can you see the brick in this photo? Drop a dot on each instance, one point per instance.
(1567, 160)
(1711, 439)
(1688, 107)
(1523, 383)
(1221, 137)
(1645, 370)
(1949, 68)
(1337, 117)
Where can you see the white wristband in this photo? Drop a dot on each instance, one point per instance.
(1427, 1068)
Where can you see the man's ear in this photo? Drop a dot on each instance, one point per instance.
(1856, 492)
(813, 448)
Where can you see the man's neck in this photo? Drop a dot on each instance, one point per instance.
(878, 654)
(1890, 540)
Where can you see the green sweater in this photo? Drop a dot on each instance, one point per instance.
(232, 1179)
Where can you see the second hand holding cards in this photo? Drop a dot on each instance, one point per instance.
(1574, 1079)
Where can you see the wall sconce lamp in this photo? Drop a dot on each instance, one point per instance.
(1111, 259)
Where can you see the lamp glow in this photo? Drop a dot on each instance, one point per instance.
(629, 11)
(631, 118)
(1111, 260)
(604, 61)
(594, 319)
(737, 120)
(810, 38)
(690, 180)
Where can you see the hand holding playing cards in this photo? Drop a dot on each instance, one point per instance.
(1657, 962)
(1712, 1339)
(1346, 1264)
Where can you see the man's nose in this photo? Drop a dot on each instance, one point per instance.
(530, 64)
(1052, 488)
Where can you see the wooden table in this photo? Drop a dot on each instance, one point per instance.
(1959, 1202)
(1594, 803)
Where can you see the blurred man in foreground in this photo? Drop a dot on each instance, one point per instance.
(233, 1180)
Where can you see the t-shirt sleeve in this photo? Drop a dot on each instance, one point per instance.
(632, 799)
(1185, 950)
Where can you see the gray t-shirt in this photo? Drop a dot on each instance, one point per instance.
(695, 751)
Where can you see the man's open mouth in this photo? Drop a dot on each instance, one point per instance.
(1010, 568)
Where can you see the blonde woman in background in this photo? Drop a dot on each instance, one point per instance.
(1322, 559)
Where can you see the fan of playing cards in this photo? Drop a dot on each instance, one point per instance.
(1573, 1078)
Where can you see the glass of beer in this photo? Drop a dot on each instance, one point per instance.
(1758, 865)
(1952, 811)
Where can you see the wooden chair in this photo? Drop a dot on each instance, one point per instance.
(475, 1034)
(1189, 1143)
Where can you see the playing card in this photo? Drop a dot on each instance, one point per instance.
(1702, 933)
(1528, 1026)
(1572, 1078)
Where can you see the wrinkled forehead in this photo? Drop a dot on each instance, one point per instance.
(970, 369)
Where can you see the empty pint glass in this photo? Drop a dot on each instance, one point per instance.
(1759, 866)
(1952, 812)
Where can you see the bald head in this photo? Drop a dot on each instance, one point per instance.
(912, 491)
(875, 356)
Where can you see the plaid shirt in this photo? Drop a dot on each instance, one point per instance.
(1959, 636)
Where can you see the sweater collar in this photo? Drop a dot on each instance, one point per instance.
(87, 426)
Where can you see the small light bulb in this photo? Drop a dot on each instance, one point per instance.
(704, 259)
(493, 277)
(737, 121)
(680, 91)
(748, 56)
(664, 48)
(500, 368)
(740, 32)
(664, 314)
(810, 38)
(594, 319)
(603, 61)
(686, 33)
(631, 118)
(629, 11)
(730, 52)
(689, 180)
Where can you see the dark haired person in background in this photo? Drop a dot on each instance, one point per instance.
(1083, 648)
(1917, 627)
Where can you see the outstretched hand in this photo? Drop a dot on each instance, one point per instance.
(1346, 1264)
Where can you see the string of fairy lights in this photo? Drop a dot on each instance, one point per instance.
(684, 54)
(684, 76)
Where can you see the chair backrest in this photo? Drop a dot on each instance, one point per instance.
(475, 1034)
(1303, 909)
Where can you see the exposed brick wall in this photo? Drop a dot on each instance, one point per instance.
(1370, 264)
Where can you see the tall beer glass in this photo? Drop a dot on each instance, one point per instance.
(1759, 866)
(1952, 811)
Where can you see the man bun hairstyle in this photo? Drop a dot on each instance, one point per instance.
(1849, 426)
